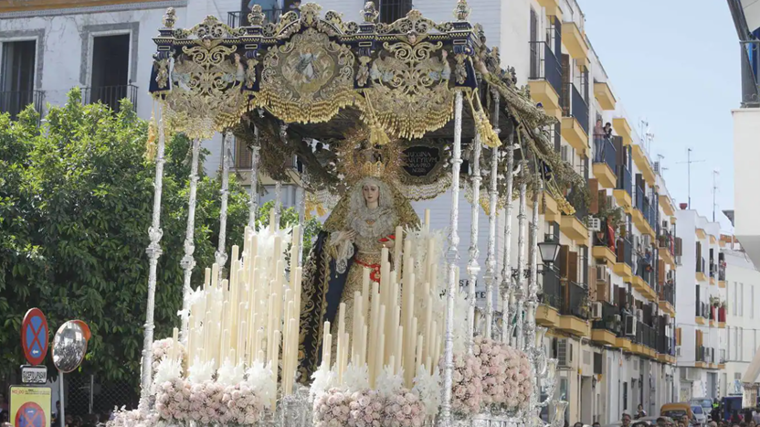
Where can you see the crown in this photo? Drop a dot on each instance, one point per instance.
(375, 170)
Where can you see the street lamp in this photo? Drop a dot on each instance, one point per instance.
(549, 249)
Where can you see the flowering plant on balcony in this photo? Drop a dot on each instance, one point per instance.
(715, 302)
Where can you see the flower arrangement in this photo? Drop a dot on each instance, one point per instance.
(243, 405)
(173, 400)
(332, 408)
(133, 418)
(404, 409)
(162, 348)
(505, 374)
(366, 409)
(467, 390)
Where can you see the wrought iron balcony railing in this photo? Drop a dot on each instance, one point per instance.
(573, 105)
(624, 181)
(110, 95)
(552, 290)
(575, 302)
(15, 101)
(611, 319)
(604, 151)
(667, 293)
(544, 65)
(625, 251)
(750, 68)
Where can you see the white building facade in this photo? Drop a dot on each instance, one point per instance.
(618, 351)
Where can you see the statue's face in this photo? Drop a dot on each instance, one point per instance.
(371, 193)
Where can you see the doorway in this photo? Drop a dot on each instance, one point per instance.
(17, 76)
(109, 81)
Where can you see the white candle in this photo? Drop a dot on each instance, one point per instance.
(272, 221)
(397, 251)
(427, 220)
(274, 360)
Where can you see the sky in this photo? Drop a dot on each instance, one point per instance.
(675, 63)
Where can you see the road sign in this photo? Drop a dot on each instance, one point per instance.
(30, 406)
(34, 374)
(34, 336)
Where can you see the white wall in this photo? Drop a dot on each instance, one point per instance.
(746, 177)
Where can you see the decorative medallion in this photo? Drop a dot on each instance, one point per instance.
(308, 79)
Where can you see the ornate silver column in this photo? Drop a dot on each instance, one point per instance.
(153, 251)
(473, 268)
(452, 259)
(520, 288)
(491, 274)
(188, 262)
(221, 253)
(253, 204)
(532, 298)
(277, 201)
(506, 272)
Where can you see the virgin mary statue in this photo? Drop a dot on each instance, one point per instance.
(362, 223)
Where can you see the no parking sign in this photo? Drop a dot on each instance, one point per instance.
(30, 406)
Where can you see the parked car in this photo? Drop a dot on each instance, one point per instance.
(700, 415)
(704, 402)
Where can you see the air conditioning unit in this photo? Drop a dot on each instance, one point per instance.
(596, 310)
(678, 351)
(565, 153)
(594, 224)
(630, 326)
(640, 315)
(564, 350)
(602, 274)
(691, 374)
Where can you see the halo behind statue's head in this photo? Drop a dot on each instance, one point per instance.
(360, 159)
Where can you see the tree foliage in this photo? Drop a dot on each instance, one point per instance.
(76, 197)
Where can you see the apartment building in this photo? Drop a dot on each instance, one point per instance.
(701, 290)
(608, 300)
(741, 314)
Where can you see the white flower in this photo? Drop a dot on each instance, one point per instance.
(167, 370)
(322, 380)
(261, 380)
(229, 374)
(387, 383)
(428, 388)
(356, 377)
(200, 372)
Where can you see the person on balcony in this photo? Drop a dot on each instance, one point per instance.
(598, 134)
(608, 130)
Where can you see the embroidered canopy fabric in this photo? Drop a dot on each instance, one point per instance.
(310, 77)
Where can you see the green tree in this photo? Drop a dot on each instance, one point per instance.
(76, 197)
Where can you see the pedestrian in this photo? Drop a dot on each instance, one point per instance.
(640, 412)
(596, 424)
(608, 130)
(626, 418)
(735, 418)
(662, 422)
(598, 129)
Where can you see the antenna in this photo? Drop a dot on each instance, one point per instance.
(716, 174)
(688, 162)
(660, 158)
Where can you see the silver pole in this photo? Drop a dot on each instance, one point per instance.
(506, 272)
(188, 262)
(154, 251)
(521, 288)
(532, 301)
(302, 211)
(490, 276)
(254, 202)
(473, 268)
(453, 258)
(278, 201)
(62, 412)
(221, 254)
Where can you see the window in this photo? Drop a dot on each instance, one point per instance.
(110, 67)
(393, 10)
(17, 76)
(728, 343)
(243, 155)
(734, 305)
(752, 302)
(741, 299)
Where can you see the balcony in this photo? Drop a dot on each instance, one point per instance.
(240, 18)
(646, 338)
(547, 313)
(666, 299)
(642, 216)
(606, 330)
(574, 311)
(623, 129)
(574, 118)
(545, 78)
(552, 7)
(110, 95)
(548, 206)
(604, 95)
(701, 234)
(575, 42)
(15, 101)
(602, 248)
(605, 159)
(642, 162)
(623, 267)
(667, 205)
(666, 244)
(624, 188)
(574, 226)
(700, 273)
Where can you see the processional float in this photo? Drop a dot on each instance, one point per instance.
(371, 329)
